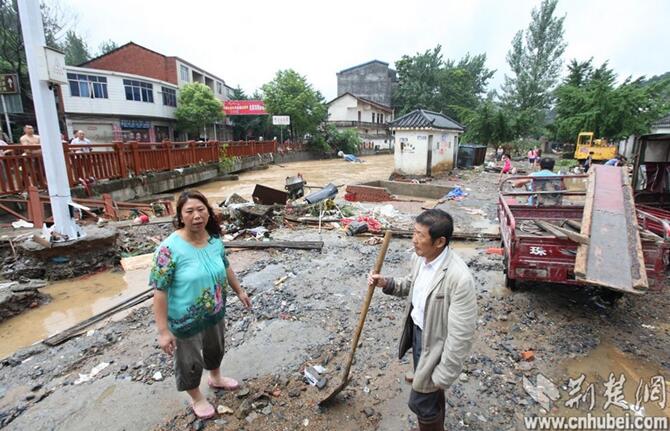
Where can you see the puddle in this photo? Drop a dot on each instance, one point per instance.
(72, 301)
(316, 173)
(598, 365)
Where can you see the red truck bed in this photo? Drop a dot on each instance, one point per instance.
(539, 256)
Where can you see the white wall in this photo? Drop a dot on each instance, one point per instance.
(346, 108)
(343, 109)
(411, 158)
(117, 104)
(222, 96)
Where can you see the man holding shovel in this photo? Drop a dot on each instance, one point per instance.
(440, 318)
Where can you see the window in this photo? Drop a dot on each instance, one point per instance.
(183, 72)
(139, 91)
(373, 117)
(359, 116)
(91, 86)
(169, 96)
(382, 119)
(219, 88)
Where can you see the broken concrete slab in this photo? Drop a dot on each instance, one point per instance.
(428, 191)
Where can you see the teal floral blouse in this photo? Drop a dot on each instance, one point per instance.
(195, 281)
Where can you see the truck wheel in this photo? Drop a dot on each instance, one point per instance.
(610, 297)
(510, 283)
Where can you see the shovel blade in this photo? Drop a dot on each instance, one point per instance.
(330, 398)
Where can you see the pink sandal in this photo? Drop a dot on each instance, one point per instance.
(232, 386)
(206, 412)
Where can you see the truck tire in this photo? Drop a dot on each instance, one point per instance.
(510, 283)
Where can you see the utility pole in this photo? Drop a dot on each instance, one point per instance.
(45, 68)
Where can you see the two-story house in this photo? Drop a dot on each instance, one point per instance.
(161, 71)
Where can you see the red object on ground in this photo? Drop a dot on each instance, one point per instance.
(373, 224)
(528, 355)
(368, 194)
(144, 218)
(495, 250)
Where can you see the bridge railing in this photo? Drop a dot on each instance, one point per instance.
(22, 165)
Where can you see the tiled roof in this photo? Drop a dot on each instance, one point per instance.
(663, 122)
(420, 118)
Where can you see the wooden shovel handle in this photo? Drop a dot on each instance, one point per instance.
(368, 298)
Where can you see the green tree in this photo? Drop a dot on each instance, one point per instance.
(197, 108)
(427, 81)
(289, 93)
(535, 62)
(489, 124)
(107, 46)
(76, 50)
(590, 100)
(346, 140)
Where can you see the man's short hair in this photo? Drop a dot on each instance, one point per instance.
(439, 223)
(547, 163)
(27, 126)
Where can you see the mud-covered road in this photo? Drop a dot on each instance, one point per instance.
(309, 318)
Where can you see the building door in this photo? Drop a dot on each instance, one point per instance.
(429, 159)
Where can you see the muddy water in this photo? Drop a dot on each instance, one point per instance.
(316, 173)
(72, 301)
(598, 365)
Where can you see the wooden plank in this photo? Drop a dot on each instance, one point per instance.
(583, 250)
(302, 245)
(550, 228)
(574, 224)
(573, 236)
(614, 255)
(638, 268)
(77, 329)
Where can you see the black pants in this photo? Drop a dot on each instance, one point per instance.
(429, 406)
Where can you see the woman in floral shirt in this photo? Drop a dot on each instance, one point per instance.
(190, 277)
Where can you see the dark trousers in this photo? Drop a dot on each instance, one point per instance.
(427, 407)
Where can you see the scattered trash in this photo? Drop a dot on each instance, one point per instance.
(375, 240)
(95, 371)
(648, 326)
(495, 250)
(305, 422)
(456, 194)
(268, 196)
(328, 192)
(356, 227)
(314, 378)
(22, 224)
(90, 333)
(295, 186)
(141, 219)
(158, 376)
(224, 410)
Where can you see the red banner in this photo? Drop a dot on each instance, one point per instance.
(244, 107)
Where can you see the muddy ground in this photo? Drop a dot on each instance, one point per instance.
(308, 319)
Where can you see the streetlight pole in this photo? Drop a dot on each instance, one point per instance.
(47, 119)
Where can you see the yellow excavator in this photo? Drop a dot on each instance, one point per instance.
(599, 149)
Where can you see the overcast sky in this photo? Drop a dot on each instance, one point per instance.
(246, 42)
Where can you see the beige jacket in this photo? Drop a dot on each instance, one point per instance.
(449, 322)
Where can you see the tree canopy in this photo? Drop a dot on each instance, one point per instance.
(197, 108)
(76, 50)
(427, 81)
(290, 94)
(535, 62)
(590, 100)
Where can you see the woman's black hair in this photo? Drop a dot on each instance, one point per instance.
(212, 226)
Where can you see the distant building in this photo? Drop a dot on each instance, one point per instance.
(370, 119)
(135, 59)
(373, 81)
(425, 142)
